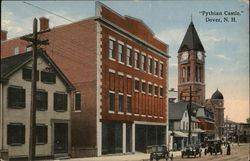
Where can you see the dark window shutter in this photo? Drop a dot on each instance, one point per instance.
(10, 97)
(9, 134)
(22, 128)
(65, 98)
(45, 134)
(55, 101)
(22, 101)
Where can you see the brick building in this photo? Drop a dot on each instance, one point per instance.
(216, 104)
(191, 76)
(119, 70)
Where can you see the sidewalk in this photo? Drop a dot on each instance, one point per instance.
(128, 157)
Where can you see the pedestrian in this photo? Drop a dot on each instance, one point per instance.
(228, 149)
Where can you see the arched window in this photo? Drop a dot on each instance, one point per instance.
(188, 73)
(200, 73)
(183, 74)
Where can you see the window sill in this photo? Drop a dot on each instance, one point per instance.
(137, 69)
(136, 114)
(40, 109)
(143, 115)
(16, 107)
(121, 113)
(112, 59)
(112, 112)
(143, 92)
(136, 90)
(129, 113)
(40, 144)
(129, 65)
(150, 116)
(15, 144)
(120, 62)
(60, 110)
(77, 111)
(49, 82)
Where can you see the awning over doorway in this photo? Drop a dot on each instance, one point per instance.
(180, 134)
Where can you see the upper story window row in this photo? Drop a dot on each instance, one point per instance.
(17, 99)
(46, 77)
(133, 58)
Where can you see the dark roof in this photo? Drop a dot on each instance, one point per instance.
(191, 40)
(217, 95)
(176, 110)
(11, 64)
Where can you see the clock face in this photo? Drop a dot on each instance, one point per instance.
(184, 56)
(200, 55)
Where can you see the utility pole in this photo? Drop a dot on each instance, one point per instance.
(35, 42)
(189, 114)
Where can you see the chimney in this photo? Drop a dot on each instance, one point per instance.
(3, 35)
(44, 23)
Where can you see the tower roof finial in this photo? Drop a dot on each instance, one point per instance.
(191, 18)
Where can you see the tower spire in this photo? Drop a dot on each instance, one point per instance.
(191, 18)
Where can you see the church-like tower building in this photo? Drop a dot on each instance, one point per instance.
(191, 67)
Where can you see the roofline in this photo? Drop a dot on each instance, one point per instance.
(130, 35)
(56, 27)
(41, 53)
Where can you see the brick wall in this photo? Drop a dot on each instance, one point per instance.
(143, 104)
(73, 48)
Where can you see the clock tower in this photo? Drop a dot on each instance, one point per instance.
(191, 67)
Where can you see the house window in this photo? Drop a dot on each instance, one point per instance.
(156, 67)
(150, 89)
(120, 103)
(28, 47)
(183, 74)
(111, 101)
(143, 62)
(120, 53)
(136, 85)
(188, 73)
(27, 74)
(129, 104)
(48, 77)
(60, 101)
(41, 134)
(183, 126)
(16, 50)
(111, 49)
(143, 87)
(161, 70)
(150, 63)
(161, 91)
(15, 134)
(156, 90)
(77, 101)
(136, 60)
(16, 97)
(129, 57)
(41, 100)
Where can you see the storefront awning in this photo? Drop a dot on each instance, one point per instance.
(199, 130)
(180, 134)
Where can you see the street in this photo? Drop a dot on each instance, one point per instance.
(237, 154)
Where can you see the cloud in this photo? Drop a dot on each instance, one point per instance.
(173, 64)
(171, 36)
(222, 56)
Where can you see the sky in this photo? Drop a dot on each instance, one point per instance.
(226, 43)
